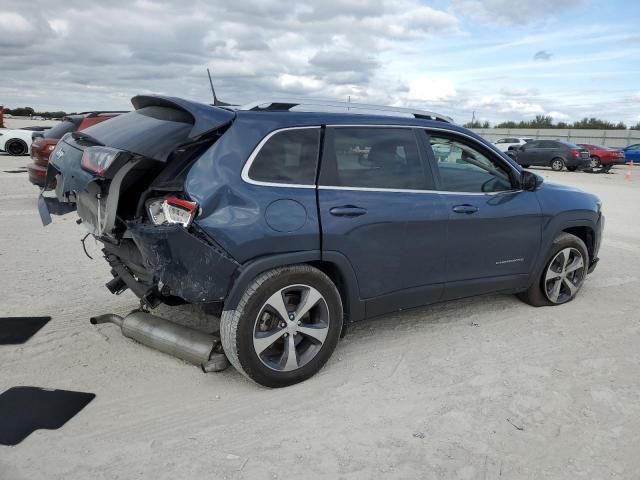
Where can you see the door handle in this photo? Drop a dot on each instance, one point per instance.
(466, 208)
(347, 211)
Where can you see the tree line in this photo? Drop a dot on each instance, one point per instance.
(30, 112)
(546, 121)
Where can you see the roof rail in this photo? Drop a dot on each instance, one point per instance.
(96, 113)
(311, 105)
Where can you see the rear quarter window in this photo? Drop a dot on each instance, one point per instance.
(288, 157)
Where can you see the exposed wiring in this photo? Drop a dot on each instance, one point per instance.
(84, 247)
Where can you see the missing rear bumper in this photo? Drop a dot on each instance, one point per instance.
(183, 264)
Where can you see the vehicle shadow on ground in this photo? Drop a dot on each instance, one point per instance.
(456, 311)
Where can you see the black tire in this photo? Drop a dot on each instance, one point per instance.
(525, 166)
(536, 295)
(572, 169)
(239, 328)
(16, 147)
(557, 164)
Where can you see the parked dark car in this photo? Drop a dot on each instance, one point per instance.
(294, 223)
(44, 142)
(632, 153)
(551, 153)
(603, 157)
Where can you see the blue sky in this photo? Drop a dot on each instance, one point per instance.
(500, 58)
(582, 60)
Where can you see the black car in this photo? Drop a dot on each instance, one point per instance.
(551, 153)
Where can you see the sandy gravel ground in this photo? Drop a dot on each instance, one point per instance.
(475, 389)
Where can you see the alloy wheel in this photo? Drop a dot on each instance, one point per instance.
(291, 328)
(564, 275)
(557, 165)
(594, 163)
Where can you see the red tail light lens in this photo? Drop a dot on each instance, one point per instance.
(98, 159)
(179, 211)
(575, 153)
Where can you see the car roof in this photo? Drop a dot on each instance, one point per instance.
(301, 119)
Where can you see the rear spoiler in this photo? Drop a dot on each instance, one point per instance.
(206, 118)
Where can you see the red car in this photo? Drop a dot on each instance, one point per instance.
(605, 157)
(45, 143)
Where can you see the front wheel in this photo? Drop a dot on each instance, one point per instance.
(557, 164)
(594, 162)
(285, 327)
(563, 274)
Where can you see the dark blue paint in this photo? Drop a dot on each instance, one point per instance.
(404, 249)
(398, 244)
(391, 249)
(286, 215)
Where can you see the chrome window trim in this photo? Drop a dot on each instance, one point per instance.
(400, 190)
(247, 166)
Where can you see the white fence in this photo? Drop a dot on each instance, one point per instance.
(611, 138)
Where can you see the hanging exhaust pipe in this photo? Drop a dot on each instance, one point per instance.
(179, 341)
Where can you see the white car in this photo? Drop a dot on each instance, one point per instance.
(15, 141)
(504, 143)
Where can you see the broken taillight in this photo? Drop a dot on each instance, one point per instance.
(172, 210)
(98, 159)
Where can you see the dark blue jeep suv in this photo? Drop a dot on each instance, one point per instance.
(291, 219)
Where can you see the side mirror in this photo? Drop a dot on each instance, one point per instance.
(530, 181)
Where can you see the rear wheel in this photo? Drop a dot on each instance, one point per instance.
(285, 327)
(557, 164)
(572, 169)
(16, 147)
(594, 162)
(563, 274)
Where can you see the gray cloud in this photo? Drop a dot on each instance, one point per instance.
(542, 55)
(255, 48)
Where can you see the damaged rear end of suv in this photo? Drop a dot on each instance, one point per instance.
(126, 178)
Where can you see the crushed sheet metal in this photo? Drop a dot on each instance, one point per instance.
(190, 267)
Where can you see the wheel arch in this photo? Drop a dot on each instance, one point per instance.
(582, 229)
(333, 264)
(586, 234)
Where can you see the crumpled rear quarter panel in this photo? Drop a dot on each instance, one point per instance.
(190, 267)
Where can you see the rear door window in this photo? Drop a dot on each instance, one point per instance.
(288, 157)
(371, 157)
